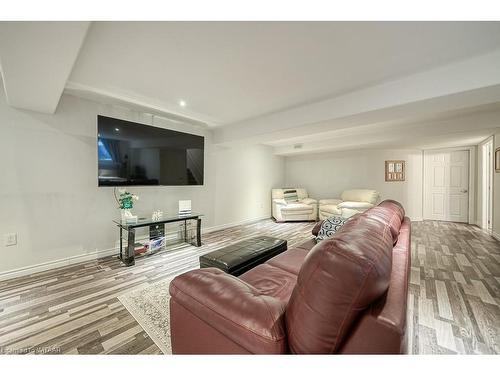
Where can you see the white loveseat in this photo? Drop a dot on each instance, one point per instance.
(304, 209)
(350, 203)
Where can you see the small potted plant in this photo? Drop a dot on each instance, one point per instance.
(126, 203)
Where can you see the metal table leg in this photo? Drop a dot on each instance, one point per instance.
(121, 244)
(130, 256)
(198, 232)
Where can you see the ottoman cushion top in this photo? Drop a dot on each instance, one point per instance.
(244, 255)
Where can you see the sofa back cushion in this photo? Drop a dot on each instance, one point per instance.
(360, 195)
(381, 329)
(340, 277)
(290, 195)
(391, 213)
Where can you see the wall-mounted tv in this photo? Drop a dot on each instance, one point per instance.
(130, 153)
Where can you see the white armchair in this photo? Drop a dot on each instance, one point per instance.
(350, 203)
(303, 209)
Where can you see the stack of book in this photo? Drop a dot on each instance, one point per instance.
(185, 207)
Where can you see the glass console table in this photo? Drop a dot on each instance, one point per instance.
(156, 230)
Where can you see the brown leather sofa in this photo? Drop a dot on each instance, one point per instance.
(346, 294)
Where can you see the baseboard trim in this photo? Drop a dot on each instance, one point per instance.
(51, 265)
(496, 235)
(417, 218)
(234, 224)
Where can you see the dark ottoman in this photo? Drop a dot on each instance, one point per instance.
(241, 256)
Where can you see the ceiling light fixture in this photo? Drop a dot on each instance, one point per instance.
(182, 103)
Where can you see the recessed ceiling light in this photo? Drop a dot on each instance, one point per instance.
(117, 130)
(182, 103)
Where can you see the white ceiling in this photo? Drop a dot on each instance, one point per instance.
(231, 71)
(447, 129)
(326, 85)
(36, 60)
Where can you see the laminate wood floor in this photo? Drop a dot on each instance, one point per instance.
(454, 296)
(453, 301)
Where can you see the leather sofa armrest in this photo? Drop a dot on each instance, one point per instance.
(308, 201)
(330, 201)
(232, 307)
(280, 201)
(355, 205)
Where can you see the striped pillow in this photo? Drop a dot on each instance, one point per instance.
(290, 196)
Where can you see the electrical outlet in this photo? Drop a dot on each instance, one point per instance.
(10, 239)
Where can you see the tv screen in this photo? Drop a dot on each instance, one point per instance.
(136, 154)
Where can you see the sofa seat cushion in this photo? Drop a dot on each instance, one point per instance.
(271, 281)
(328, 201)
(349, 212)
(308, 201)
(290, 260)
(355, 205)
(306, 246)
(332, 209)
(360, 195)
(297, 208)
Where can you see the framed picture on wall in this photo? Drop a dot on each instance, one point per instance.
(497, 160)
(394, 170)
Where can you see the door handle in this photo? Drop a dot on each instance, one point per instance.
(464, 191)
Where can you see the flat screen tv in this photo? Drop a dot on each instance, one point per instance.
(136, 154)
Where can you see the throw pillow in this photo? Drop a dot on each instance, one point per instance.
(330, 226)
(290, 196)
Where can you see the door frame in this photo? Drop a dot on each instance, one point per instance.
(486, 196)
(472, 178)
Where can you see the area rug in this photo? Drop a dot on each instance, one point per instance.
(151, 309)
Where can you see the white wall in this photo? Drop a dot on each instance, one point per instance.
(326, 175)
(244, 179)
(49, 194)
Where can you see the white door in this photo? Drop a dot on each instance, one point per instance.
(446, 190)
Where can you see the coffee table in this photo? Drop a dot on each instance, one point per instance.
(127, 255)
